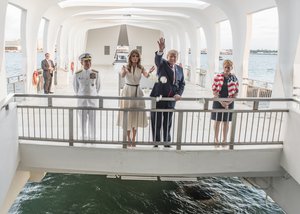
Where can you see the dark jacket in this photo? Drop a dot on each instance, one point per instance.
(168, 89)
(45, 65)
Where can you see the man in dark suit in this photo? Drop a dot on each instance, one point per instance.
(48, 69)
(170, 84)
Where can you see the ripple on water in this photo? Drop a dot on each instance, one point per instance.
(68, 193)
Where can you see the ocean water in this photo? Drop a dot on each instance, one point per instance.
(261, 67)
(14, 66)
(93, 194)
(14, 63)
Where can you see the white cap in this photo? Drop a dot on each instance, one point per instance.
(85, 56)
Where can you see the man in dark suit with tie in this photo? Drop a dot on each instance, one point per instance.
(170, 84)
(48, 68)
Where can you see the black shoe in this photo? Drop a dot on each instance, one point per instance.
(51, 92)
(167, 146)
(155, 146)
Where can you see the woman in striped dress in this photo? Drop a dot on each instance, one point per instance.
(225, 85)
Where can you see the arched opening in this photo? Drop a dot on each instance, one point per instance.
(13, 50)
(203, 48)
(264, 46)
(188, 57)
(201, 72)
(40, 42)
(225, 43)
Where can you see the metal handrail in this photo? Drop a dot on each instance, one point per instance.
(150, 98)
(18, 77)
(190, 126)
(6, 101)
(204, 100)
(14, 81)
(42, 124)
(254, 80)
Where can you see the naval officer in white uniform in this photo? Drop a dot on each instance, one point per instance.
(87, 83)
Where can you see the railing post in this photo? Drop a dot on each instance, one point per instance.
(233, 127)
(153, 103)
(71, 134)
(179, 130)
(50, 102)
(255, 105)
(206, 102)
(55, 77)
(100, 102)
(125, 117)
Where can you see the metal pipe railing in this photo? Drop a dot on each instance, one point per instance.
(53, 121)
(15, 82)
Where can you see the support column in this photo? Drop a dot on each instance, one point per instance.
(241, 26)
(46, 38)
(288, 12)
(182, 49)
(198, 49)
(194, 55)
(212, 35)
(3, 83)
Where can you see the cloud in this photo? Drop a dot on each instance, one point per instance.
(265, 30)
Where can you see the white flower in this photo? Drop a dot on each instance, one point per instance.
(163, 79)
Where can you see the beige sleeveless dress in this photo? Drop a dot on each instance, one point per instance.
(132, 89)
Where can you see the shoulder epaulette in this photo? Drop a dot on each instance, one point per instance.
(77, 72)
(95, 71)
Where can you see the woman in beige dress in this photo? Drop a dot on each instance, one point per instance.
(132, 73)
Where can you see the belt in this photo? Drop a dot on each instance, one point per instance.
(136, 88)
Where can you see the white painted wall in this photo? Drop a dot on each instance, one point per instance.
(284, 190)
(9, 149)
(97, 39)
(146, 38)
(150, 161)
(290, 157)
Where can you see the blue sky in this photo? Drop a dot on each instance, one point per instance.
(264, 32)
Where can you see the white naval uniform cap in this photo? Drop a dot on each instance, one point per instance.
(85, 56)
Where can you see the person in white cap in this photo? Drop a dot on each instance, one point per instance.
(87, 83)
